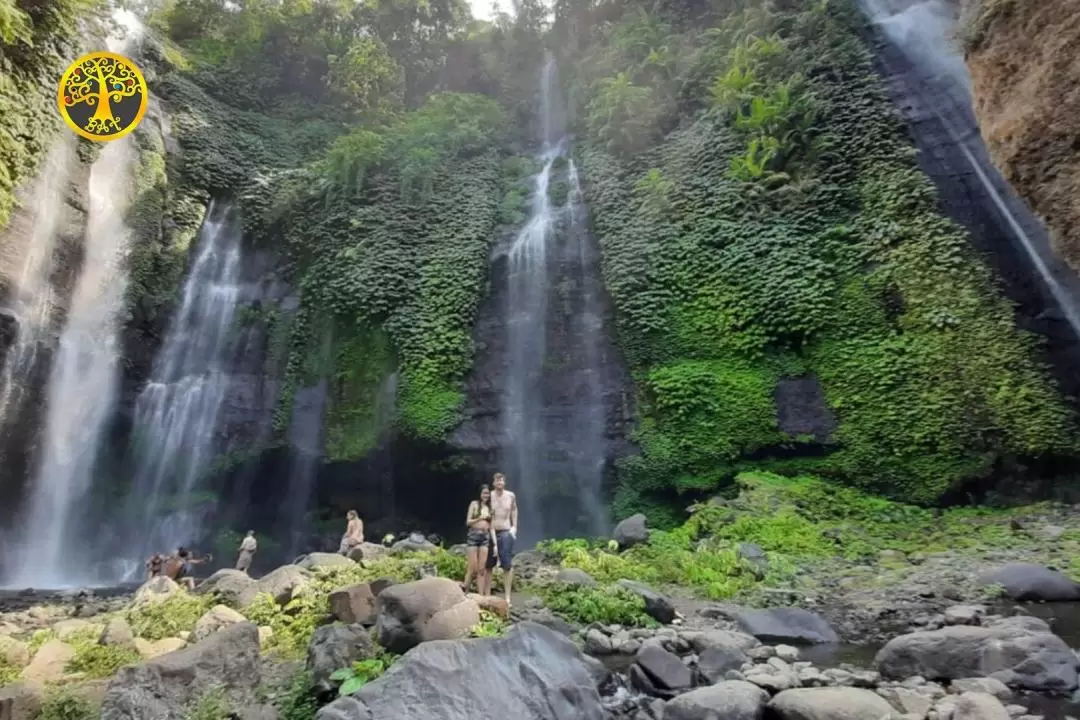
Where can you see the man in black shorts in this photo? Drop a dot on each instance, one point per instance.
(504, 519)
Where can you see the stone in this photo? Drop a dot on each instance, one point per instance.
(754, 556)
(266, 634)
(730, 700)
(20, 701)
(1032, 660)
(657, 605)
(964, 614)
(165, 687)
(908, 701)
(715, 661)
(830, 703)
(701, 641)
(232, 587)
(427, 609)
(597, 643)
(787, 653)
(631, 531)
(323, 560)
(491, 603)
(771, 679)
(574, 576)
(786, 625)
(990, 686)
(368, 551)
(414, 543)
(48, 663)
(1015, 710)
(379, 584)
(283, 584)
(541, 676)
(156, 588)
(66, 628)
(353, 604)
(1028, 581)
(117, 632)
(164, 646)
(14, 652)
(664, 668)
(214, 619)
(979, 706)
(333, 647)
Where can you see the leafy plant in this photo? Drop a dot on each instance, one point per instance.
(360, 673)
(611, 605)
(63, 704)
(157, 619)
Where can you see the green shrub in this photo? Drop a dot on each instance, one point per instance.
(177, 612)
(212, 705)
(299, 701)
(62, 704)
(97, 660)
(360, 673)
(610, 605)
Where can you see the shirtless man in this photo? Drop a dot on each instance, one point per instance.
(504, 523)
(180, 567)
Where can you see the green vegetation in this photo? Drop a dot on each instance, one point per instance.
(177, 612)
(213, 705)
(96, 660)
(490, 625)
(361, 672)
(609, 605)
(298, 702)
(62, 704)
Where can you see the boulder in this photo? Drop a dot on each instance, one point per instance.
(379, 584)
(66, 628)
(234, 588)
(216, 618)
(990, 686)
(14, 652)
(156, 588)
(368, 551)
(283, 584)
(1016, 656)
(979, 706)
(703, 640)
(829, 703)
(353, 604)
(786, 625)
(658, 606)
(665, 670)
(632, 531)
(165, 687)
(117, 632)
(732, 700)
(531, 673)
(333, 647)
(323, 560)
(48, 663)
(574, 576)
(414, 543)
(20, 701)
(715, 662)
(965, 614)
(427, 609)
(1027, 581)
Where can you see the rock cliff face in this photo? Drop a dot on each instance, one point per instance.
(1026, 75)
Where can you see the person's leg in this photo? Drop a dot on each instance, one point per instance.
(471, 555)
(483, 575)
(489, 567)
(505, 542)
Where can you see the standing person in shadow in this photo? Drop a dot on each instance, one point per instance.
(504, 525)
(354, 533)
(248, 546)
(478, 523)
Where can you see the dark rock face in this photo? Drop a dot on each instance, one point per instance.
(801, 408)
(333, 647)
(1027, 581)
(530, 674)
(787, 625)
(931, 92)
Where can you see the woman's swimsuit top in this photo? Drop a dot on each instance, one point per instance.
(481, 511)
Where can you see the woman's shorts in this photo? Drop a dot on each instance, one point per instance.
(477, 538)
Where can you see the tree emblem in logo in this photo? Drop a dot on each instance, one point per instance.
(102, 96)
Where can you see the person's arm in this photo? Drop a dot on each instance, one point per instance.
(469, 519)
(513, 516)
(359, 529)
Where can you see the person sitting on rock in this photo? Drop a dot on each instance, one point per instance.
(180, 567)
(478, 529)
(354, 533)
(247, 552)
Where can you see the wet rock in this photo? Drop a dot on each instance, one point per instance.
(787, 653)
(830, 703)
(574, 576)
(701, 641)
(597, 642)
(353, 604)
(165, 687)
(730, 700)
(714, 662)
(786, 625)
(233, 587)
(1017, 657)
(664, 668)
(323, 560)
(215, 619)
(333, 647)
(283, 584)
(658, 606)
(964, 614)
(1027, 581)
(48, 663)
(632, 531)
(541, 676)
(423, 610)
(979, 706)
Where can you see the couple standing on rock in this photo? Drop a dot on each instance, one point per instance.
(492, 528)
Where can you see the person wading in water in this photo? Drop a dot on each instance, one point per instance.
(247, 552)
(478, 522)
(504, 526)
(354, 533)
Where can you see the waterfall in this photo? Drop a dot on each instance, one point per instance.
(305, 444)
(553, 413)
(938, 92)
(32, 296)
(176, 413)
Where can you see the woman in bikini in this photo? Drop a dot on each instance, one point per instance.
(478, 522)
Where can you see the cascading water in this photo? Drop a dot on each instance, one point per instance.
(554, 411)
(83, 382)
(937, 91)
(176, 413)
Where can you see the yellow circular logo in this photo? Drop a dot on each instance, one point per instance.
(102, 96)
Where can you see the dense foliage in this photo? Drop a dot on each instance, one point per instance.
(762, 218)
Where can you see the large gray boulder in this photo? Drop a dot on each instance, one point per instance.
(657, 605)
(353, 604)
(829, 703)
(431, 608)
(234, 588)
(979, 706)
(786, 625)
(164, 688)
(734, 700)
(323, 560)
(1027, 581)
(414, 543)
(1013, 654)
(333, 647)
(530, 674)
(284, 583)
(632, 531)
